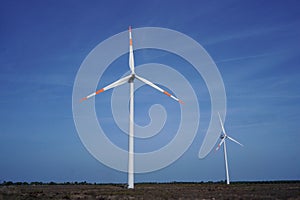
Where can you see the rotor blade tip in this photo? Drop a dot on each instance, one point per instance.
(167, 93)
(180, 101)
(83, 99)
(99, 91)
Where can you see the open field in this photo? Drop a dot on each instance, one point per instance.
(284, 190)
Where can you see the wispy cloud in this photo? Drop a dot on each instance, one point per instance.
(247, 33)
(242, 58)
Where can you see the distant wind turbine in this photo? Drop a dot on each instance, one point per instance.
(223, 138)
(130, 79)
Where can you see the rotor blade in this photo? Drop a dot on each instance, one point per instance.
(158, 88)
(112, 85)
(223, 129)
(219, 145)
(131, 58)
(230, 138)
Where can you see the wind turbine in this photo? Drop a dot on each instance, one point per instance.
(130, 79)
(223, 138)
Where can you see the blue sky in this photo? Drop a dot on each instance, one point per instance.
(255, 45)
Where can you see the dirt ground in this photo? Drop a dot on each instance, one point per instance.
(155, 191)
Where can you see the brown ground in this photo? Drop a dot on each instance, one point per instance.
(155, 191)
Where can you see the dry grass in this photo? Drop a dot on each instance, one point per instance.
(155, 191)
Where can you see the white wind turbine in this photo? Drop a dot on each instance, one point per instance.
(223, 138)
(130, 79)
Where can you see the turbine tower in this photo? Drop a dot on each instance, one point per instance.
(130, 79)
(223, 138)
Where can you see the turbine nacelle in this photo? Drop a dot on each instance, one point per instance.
(131, 78)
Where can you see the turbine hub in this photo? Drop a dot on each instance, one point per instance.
(131, 78)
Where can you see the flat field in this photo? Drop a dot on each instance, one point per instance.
(287, 190)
